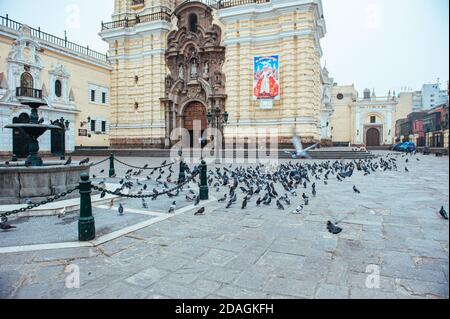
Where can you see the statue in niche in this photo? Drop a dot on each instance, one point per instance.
(194, 69)
(181, 72)
(206, 70)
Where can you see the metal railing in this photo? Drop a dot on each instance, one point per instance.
(164, 13)
(223, 4)
(64, 43)
(28, 92)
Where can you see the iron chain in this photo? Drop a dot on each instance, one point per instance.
(4, 216)
(154, 195)
(144, 168)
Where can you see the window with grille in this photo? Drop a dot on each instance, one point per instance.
(58, 88)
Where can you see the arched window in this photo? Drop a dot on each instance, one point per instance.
(193, 22)
(58, 88)
(26, 80)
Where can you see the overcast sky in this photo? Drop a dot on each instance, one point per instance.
(380, 44)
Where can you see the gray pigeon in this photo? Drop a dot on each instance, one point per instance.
(121, 210)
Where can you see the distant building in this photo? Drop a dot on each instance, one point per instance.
(433, 96)
(369, 120)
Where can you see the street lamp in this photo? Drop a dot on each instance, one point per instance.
(217, 119)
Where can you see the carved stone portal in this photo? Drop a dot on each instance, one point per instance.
(194, 58)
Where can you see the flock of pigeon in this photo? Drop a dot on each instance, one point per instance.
(258, 184)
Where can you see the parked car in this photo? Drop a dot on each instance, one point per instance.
(407, 147)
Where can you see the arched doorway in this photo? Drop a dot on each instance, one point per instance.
(373, 137)
(58, 142)
(195, 111)
(20, 139)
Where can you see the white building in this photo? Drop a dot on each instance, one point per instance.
(433, 96)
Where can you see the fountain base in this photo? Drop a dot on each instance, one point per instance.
(19, 183)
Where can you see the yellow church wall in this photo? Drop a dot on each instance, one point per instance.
(299, 76)
(343, 119)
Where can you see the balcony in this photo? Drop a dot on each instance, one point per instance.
(54, 40)
(28, 92)
(164, 14)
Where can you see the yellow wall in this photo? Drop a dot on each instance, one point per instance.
(82, 73)
(342, 120)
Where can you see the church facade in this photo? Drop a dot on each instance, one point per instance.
(252, 64)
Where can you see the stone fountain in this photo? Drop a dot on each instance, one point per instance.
(33, 179)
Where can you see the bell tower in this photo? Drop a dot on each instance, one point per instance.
(137, 42)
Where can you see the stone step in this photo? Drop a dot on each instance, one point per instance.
(317, 154)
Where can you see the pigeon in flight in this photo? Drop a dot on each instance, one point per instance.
(300, 153)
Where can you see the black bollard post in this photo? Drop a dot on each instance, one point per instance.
(204, 191)
(182, 175)
(86, 223)
(112, 170)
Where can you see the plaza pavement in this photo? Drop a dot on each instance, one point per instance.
(392, 227)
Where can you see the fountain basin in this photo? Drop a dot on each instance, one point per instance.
(19, 183)
(33, 130)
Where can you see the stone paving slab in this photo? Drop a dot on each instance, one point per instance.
(51, 229)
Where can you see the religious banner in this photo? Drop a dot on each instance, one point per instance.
(266, 85)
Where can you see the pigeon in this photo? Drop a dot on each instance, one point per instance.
(85, 161)
(5, 226)
(102, 171)
(298, 210)
(279, 205)
(144, 204)
(201, 211)
(41, 120)
(62, 213)
(356, 190)
(443, 213)
(223, 199)
(111, 203)
(197, 201)
(172, 208)
(333, 229)
(406, 169)
(244, 203)
(258, 202)
(68, 162)
(121, 210)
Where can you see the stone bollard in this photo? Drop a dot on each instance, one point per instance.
(86, 223)
(112, 170)
(204, 191)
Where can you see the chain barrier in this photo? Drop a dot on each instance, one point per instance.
(101, 162)
(144, 168)
(154, 195)
(4, 216)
